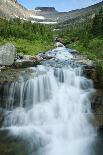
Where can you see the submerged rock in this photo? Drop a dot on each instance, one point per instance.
(7, 54)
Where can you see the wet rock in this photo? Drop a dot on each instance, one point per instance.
(10, 145)
(100, 131)
(58, 44)
(7, 54)
(89, 68)
(26, 63)
(90, 73)
(20, 55)
(1, 117)
(87, 62)
(97, 102)
(37, 58)
(8, 75)
(45, 55)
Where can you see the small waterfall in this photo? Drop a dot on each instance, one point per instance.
(53, 113)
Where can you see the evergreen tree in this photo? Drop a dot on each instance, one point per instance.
(97, 26)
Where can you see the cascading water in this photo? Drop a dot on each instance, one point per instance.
(54, 111)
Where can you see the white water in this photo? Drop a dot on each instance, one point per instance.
(56, 117)
(60, 53)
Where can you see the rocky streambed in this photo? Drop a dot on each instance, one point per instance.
(13, 66)
(22, 69)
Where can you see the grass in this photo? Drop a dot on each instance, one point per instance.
(93, 49)
(27, 46)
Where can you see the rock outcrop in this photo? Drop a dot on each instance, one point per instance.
(45, 8)
(12, 9)
(7, 54)
(15, 1)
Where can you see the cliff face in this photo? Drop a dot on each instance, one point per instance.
(11, 9)
(15, 1)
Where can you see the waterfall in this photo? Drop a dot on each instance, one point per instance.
(53, 113)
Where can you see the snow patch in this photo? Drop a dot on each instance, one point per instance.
(37, 17)
(48, 22)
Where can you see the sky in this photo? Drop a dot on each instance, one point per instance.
(60, 5)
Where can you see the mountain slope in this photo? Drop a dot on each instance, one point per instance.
(12, 9)
(81, 15)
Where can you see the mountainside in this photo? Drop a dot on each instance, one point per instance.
(81, 15)
(12, 9)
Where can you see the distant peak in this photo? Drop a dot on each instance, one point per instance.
(45, 8)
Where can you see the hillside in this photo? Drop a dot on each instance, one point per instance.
(12, 9)
(81, 15)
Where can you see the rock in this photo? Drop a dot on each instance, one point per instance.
(58, 40)
(58, 44)
(8, 75)
(28, 61)
(27, 57)
(1, 117)
(45, 56)
(38, 58)
(97, 101)
(15, 1)
(34, 58)
(10, 145)
(51, 9)
(7, 54)
(20, 55)
(25, 63)
(86, 62)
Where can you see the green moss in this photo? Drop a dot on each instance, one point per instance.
(10, 145)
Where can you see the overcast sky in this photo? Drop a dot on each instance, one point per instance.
(60, 5)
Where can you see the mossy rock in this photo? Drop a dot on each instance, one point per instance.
(10, 145)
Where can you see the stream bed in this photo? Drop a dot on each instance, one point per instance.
(49, 111)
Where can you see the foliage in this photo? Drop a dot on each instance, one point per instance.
(97, 25)
(24, 30)
(87, 38)
(27, 46)
(29, 38)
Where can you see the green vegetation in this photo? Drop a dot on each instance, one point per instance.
(87, 38)
(31, 38)
(28, 38)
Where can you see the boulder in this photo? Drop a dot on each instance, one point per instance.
(7, 54)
